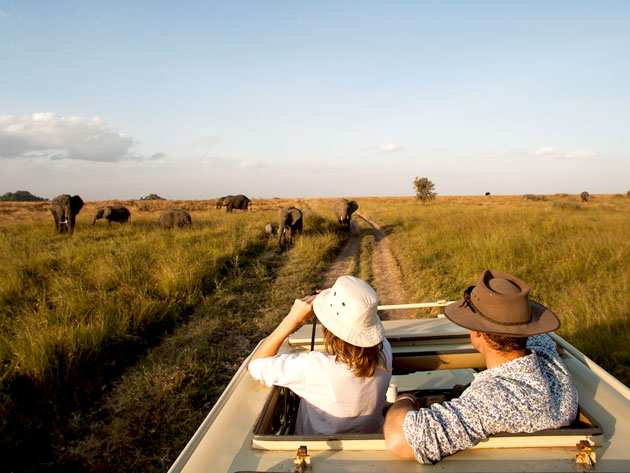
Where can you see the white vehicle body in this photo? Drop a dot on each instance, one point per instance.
(429, 354)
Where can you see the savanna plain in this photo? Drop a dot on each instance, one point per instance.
(116, 342)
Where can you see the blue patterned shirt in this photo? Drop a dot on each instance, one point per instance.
(528, 394)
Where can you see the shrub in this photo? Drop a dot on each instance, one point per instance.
(534, 197)
(424, 189)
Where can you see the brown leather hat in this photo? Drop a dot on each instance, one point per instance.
(499, 304)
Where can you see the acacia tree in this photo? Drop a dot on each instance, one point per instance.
(424, 189)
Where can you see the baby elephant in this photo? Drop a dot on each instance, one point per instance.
(289, 223)
(270, 229)
(175, 218)
(111, 213)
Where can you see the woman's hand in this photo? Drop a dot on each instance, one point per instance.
(302, 310)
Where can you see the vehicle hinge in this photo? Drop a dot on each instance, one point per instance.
(302, 461)
(586, 457)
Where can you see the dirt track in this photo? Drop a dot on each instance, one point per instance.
(386, 275)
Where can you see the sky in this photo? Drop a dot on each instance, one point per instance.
(194, 100)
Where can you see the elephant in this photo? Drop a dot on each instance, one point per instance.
(487, 193)
(231, 202)
(289, 222)
(173, 218)
(64, 209)
(344, 209)
(585, 196)
(270, 229)
(111, 213)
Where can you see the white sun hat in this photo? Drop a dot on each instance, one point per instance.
(349, 310)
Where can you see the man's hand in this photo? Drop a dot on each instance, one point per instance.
(395, 439)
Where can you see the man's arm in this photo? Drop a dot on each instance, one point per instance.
(395, 440)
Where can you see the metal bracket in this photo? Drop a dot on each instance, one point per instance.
(302, 461)
(586, 457)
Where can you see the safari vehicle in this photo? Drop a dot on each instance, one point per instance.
(250, 428)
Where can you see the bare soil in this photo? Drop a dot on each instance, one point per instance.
(387, 278)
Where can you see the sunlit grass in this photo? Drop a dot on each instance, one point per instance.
(575, 257)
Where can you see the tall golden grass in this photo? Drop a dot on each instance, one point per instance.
(115, 342)
(575, 256)
(78, 310)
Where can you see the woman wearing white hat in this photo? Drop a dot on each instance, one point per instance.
(342, 389)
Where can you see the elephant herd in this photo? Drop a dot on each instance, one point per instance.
(65, 208)
(290, 220)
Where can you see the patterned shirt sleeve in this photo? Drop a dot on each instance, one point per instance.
(443, 429)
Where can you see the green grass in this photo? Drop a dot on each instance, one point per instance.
(78, 311)
(116, 342)
(153, 411)
(575, 259)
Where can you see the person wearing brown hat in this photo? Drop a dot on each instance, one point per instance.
(343, 388)
(525, 388)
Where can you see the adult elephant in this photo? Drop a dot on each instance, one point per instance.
(112, 213)
(175, 218)
(231, 202)
(344, 209)
(64, 209)
(289, 222)
(585, 196)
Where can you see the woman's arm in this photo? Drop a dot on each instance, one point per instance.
(301, 311)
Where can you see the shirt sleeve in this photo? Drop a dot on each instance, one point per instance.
(443, 429)
(287, 370)
(543, 344)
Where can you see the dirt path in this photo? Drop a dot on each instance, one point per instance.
(386, 275)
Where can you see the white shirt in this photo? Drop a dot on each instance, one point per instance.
(334, 400)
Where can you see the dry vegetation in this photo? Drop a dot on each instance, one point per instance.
(117, 341)
(81, 311)
(575, 256)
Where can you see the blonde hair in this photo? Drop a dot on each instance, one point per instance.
(362, 361)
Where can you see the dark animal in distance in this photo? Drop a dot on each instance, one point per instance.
(231, 202)
(585, 196)
(344, 209)
(289, 222)
(112, 213)
(65, 209)
(175, 218)
(487, 193)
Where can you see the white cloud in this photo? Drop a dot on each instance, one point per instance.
(545, 151)
(390, 148)
(207, 141)
(57, 137)
(580, 153)
(251, 165)
(553, 154)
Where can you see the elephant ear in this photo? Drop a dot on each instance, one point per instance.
(353, 206)
(107, 212)
(76, 203)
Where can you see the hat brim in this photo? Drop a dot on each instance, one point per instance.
(368, 337)
(543, 320)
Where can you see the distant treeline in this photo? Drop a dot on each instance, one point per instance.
(20, 196)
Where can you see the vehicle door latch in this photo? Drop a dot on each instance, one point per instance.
(586, 457)
(302, 461)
